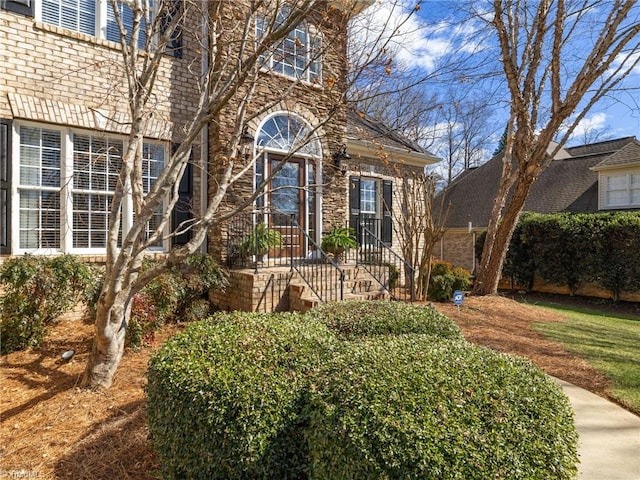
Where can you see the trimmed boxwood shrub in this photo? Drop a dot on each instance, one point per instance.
(226, 397)
(406, 407)
(365, 318)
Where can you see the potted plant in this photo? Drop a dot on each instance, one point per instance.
(260, 241)
(338, 240)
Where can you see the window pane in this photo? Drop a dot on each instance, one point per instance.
(39, 211)
(298, 55)
(76, 15)
(90, 220)
(616, 182)
(617, 198)
(39, 219)
(635, 189)
(126, 14)
(96, 166)
(368, 196)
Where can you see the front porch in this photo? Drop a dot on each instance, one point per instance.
(275, 265)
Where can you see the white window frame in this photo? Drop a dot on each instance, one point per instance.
(101, 21)
(376, 200)
(627, 191)
(311, 73)
(66, 190)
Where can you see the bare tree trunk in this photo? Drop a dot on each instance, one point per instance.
(491, 269)
(108, 344)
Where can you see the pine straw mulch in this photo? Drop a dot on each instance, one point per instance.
(51, 428)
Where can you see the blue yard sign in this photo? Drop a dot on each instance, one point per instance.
(458, 297)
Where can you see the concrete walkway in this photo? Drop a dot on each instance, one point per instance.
(609, 445)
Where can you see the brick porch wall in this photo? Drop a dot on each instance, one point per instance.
(266, 291)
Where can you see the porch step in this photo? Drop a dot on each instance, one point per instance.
(358, 285)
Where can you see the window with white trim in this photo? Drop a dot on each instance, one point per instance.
(369, 197)
(39, 188)
(49, 186)
(622, 190)
(92, 17)
(299, 55)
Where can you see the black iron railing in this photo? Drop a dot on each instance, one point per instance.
(390, 271)
(321, 273)
(266, 239)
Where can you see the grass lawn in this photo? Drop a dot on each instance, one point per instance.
(610, 342)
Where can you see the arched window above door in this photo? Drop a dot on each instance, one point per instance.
(285, 133)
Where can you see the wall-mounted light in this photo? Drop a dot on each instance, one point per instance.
(246, 142)
(339, 158)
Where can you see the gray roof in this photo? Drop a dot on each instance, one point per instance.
(364, 128)
(627, 155)
(568, 185)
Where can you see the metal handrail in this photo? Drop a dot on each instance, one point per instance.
(382, 264)
(319, 271)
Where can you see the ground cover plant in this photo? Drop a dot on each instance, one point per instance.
(281, 396)
(609, 342)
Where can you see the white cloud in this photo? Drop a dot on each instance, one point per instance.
(407, 36)
(589, 128)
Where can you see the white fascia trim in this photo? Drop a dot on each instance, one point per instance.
(613, 168)
(397, 155)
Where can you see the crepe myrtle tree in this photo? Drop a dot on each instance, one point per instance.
(559, 58)
(231, 61)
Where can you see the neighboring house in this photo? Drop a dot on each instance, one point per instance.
(63, 130)
(583, 179)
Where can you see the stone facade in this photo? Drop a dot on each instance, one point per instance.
(319, 105)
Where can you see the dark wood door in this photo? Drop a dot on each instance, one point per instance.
(286, 194)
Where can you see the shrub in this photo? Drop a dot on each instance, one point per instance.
(445, 279)
(37, 290)
(365, 318)
(226, 397)
(406, 407)
(172, 296)
(200, 273)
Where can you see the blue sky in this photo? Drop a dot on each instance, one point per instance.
(434, 35)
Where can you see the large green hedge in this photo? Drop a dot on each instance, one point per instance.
(277, 396)
(406, 407)
(226, 397)
(365, 318)
(574, 249)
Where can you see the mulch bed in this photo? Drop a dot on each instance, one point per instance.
(51, 428)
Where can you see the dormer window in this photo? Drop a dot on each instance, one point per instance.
(298, 56)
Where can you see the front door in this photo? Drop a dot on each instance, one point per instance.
(287, 200)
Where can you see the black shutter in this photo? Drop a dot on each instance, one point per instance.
(387, 220)
(5, 191)
(174, 46)
(183, 210)
(23, 7)
(354, 205)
